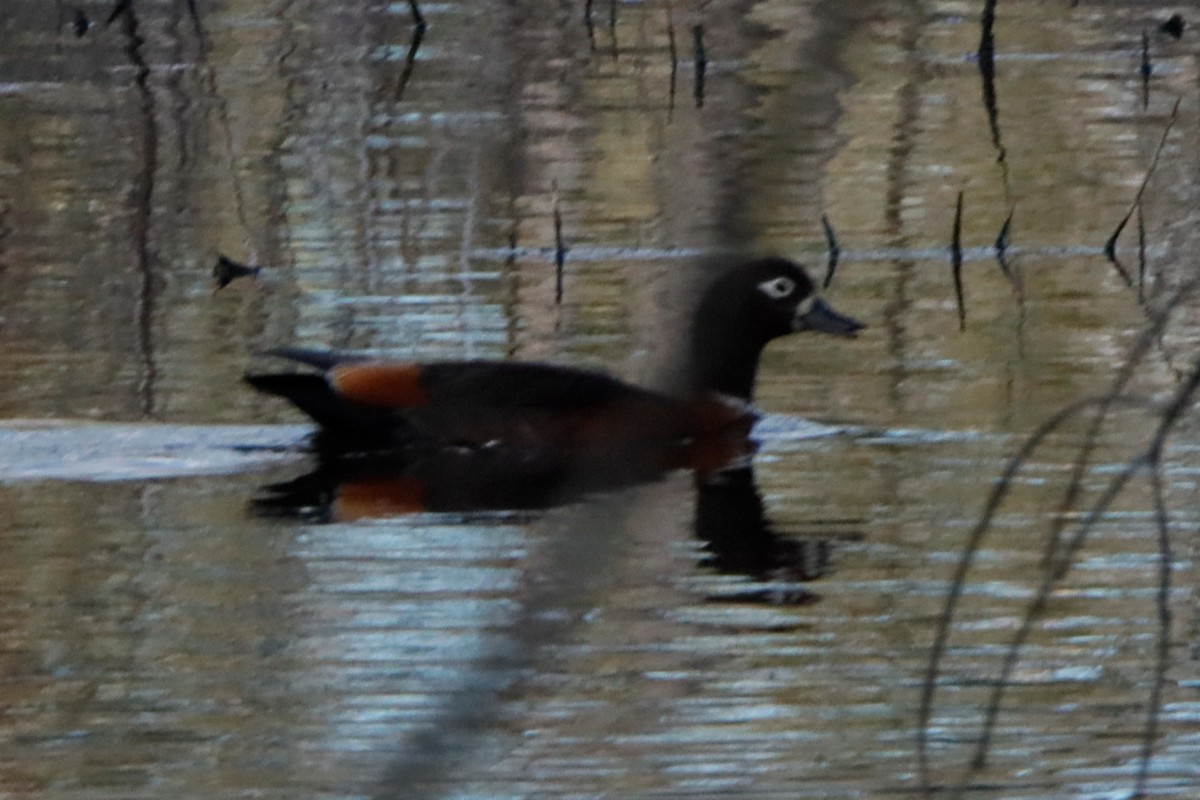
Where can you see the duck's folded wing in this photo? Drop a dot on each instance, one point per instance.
(522, 385)
(495, 385)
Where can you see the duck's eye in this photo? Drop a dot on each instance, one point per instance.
(778, 288)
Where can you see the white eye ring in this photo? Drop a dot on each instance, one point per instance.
(777, 288)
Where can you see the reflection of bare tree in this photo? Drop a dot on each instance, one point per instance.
(142, 201)
(986, 58)
(1068, 532)
(414, 46)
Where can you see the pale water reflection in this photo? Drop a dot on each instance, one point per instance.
(161, 636)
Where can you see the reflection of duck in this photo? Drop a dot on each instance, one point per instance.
(367, 405)
(730, 519)
(460, 479)
(739, 540)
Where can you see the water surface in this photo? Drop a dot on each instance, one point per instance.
(162, 637)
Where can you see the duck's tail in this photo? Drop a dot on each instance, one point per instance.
(309, 393)
(339, 419)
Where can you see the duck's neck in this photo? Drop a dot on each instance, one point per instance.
(722, 362)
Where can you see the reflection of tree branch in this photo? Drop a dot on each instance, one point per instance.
(410, 59)
(1162, 602)
(560, 249)
(612, 27)
(987, 72)
(1146, 70)
(1150, 460)
(1110, 247)
(208, 77)
(835, 251)
(1001, 250)
(80, 22)
(122, 7)
(226, 270)
(674, 51)
(1060, 554)
(1141, 230)
(194, 15)
(142, 198)
(986, 57)
(591, 26)
(956, 262)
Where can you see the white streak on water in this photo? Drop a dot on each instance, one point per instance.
(35, 450)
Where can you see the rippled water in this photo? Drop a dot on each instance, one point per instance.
(164, 632)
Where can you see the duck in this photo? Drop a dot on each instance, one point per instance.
(366, 404)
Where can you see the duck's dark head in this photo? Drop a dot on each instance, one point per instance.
(746, 308)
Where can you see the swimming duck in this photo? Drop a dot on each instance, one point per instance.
(367, 404)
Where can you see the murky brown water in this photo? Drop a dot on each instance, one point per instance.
(161, 638)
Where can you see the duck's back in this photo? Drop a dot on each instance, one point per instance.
(483, 403)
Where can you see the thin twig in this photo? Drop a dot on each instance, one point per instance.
(986, 58)
(1110, 247)
(674, 58)
(835, 251)
(410, 59)
(560, 249)
(956, 260)
(1146, 69)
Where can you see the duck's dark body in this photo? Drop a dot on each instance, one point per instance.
(363, 404)
(367, 405)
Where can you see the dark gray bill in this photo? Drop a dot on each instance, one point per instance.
(821, 317)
